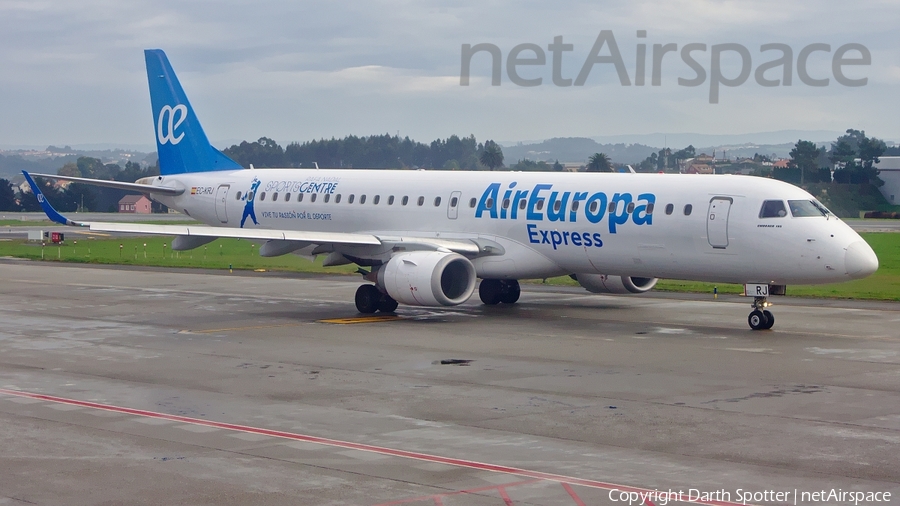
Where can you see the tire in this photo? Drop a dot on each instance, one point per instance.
(489, 291)
(367, 299)
(757, 320)
(770, 318)
(510, 292)
(387, 304)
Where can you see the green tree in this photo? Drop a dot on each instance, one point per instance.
(532, 166)
(69, 169)
(804, 156)
(599, 162)
(30, 203)
(76, 197)
(842, 153)
(7, 197)
(492, 155)
(854, 156)
(265, 152)
(558, 167)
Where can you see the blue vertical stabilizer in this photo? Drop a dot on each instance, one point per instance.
(180, 141)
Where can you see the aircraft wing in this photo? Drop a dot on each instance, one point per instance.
(237, 233)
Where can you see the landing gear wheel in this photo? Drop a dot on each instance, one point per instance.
(758, 320)
(510, 291)
(770, 319)
(489, 291)
(368, 299)
(387, 304)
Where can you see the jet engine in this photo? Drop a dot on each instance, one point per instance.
(428, 278)
(601, 283)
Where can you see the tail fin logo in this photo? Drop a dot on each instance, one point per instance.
(171, 118)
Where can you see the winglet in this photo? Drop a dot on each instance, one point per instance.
(45, 205)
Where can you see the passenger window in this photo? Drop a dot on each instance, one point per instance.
(362, 199)
(472, 202)
(453, 202)
(687, 209)
(262, 196)
(405, 200)
(391, 200)
(522, 204)
(505, 203)
(312, 197)
(299, 197)
(420, 201)
(556, 206)
(275, 197)
(437, 201)
(593, 207)
(350, 199)
(287, 197)
(612, 207)
(250, 195)
(650, 208)
(630, 208)
(337, 198)
(773, 209)
(237, 196)
(670, 208)
(327, 197)
(489, 203)
(575, 205)
(376, 199)
(540, 204)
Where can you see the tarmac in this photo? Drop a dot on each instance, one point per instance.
(122, 385)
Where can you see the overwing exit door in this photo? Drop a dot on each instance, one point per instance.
(221, 198)
(453, 205)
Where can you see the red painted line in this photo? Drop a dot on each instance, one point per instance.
(470, 464)
(571, 491)
(504, 496)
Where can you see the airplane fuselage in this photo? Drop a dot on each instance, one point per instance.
(706, 228)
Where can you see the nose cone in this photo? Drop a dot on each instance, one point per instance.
(860, 261)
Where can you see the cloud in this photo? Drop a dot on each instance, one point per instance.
(254, 68)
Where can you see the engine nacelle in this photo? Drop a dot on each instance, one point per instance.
(601, 283)
(428, 278)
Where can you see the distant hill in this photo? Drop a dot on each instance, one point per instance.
(49, 160)
(575, 149)
(579, 149)
(681, 140)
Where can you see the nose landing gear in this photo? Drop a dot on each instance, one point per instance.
(760, 318)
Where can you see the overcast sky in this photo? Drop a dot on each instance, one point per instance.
(73, 72)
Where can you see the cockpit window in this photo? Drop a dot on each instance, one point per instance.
(773, 209)
(803, 208)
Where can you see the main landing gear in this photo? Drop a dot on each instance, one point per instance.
(370, 299)
(760, 318)
(495, 291)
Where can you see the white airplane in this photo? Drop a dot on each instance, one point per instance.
(426, 236)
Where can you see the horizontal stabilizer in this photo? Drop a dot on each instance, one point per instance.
(135, 187)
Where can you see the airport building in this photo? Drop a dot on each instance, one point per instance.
(138, 204)
(889, 172)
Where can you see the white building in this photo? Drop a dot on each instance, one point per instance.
(889, 168)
